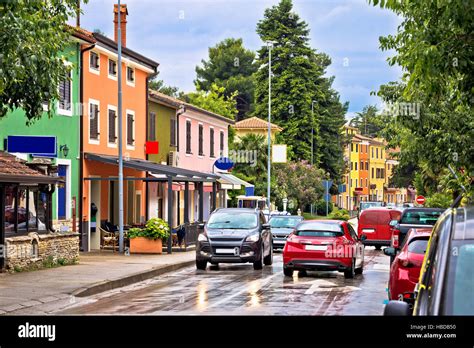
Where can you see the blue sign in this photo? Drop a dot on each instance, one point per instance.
(224, 163)
(250, 191)
(32, 144)
(327, 185)
(327, 197)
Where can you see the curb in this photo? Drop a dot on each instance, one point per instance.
(128, 280)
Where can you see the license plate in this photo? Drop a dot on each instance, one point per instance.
(368, 230)
(233, 251)
(316, 247)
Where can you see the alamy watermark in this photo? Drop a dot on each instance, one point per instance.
(240, 156)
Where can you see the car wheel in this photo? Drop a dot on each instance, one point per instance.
(349, 273)
(268, 260)
(378, 247)
(288, 272)
(201, 265)
(360, 269)
(302, 273)
(258, 265)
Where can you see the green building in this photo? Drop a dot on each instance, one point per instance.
(64, 126)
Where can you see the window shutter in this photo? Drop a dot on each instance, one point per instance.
(222, 144)
(172, 132)
(112, 136)
(65, 93)
(188, 137)
(94, 121)
(212, 142)
(152, 127)
(201, 135)
(130, 129)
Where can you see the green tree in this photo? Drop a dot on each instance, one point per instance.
(160, 86)
(368, 121)
(297, 80)
(33, 36)
(214, 100)
(433, 45)
(300, 181)
(232, 66)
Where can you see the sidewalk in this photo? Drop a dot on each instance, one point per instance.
(40, 291)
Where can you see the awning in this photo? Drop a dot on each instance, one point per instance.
(162, 171)
(231, 182)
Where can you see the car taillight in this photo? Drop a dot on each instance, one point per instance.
(396, 238)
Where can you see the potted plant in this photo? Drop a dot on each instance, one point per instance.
(149, 240)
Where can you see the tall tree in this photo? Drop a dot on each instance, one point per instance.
(230, 65)
(433, 45)
(368, 121)
(214, 100)
(33, 36)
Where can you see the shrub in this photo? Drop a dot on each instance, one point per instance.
(439, 200)
(320, 207)
(339, 214)
(155, 228)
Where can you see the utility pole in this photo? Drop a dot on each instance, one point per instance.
(120, 155)
(269, 164)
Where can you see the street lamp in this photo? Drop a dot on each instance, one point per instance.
(119, 111)
(270, 46)
(312, 139)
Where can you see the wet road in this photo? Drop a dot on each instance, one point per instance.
(236, 289)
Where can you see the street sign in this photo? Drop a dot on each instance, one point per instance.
(224, 163)
(420, 200)
(37, 145)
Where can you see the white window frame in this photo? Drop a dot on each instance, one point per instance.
(112, 77)
(94, 102)
(130, 83)
(131, 112)
(92, 69)
(64, 112)
(109, 144)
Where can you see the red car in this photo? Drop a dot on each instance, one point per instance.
(324, 245)
(375, 224)
(405, 269)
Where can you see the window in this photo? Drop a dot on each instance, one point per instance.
(152, 126)
(355, 164)
(377, 153)
(352, 147)
(130, 75)
(112, 68)
(112, 126)
(173, 132)
(372, 173)
(357, 147)
(352, 165)
(65, 86)
(201, 140)
(372, 152)
(188, 137)
(93, 121)
(130, 128)
(361, 165)
(211, 142)
(94, 61)
(366, 165)
(221, 147)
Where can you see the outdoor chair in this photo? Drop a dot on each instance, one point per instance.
(108, 239)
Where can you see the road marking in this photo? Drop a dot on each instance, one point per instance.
(321, 285)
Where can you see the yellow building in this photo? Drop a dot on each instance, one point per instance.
(255, 125)
(377, 170)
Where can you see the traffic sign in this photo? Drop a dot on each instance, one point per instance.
(420, 200)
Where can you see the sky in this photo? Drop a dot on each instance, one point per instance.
(178, 33)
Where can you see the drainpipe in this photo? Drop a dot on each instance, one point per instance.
(81, 146)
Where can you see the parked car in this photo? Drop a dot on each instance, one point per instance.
(235, 235)
(412, 218)
(405, 270)
(446, 281)
(367, 205)
(324, 245)
(374, 223)
(281, 227)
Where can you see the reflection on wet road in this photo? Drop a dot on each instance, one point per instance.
(236, 289)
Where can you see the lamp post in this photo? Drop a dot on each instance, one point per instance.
(270, 46)
(312, 139)
(119, 110)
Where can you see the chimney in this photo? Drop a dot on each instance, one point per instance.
(123, 23)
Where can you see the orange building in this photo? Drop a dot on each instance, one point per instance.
(100, 132)
(364, 180)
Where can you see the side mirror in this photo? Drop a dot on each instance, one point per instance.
(266, 226)
(363, 237)
(398, 308)
(389, 251)
(393, 223)
(200, 226)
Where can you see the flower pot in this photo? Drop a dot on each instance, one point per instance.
(142, 245)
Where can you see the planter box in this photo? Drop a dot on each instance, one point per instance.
(142, 245)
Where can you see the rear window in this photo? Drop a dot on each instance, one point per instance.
(319, 229)
(420, 217)
(284, 222)
(418, 246)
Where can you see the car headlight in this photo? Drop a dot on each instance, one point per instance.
(253, 237)
(202, 237)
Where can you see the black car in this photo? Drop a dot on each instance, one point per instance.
(447, 276)
(281, 227)
(235, 235)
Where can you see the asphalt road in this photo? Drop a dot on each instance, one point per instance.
(236, 289)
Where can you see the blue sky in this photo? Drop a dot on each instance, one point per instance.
(177, 34)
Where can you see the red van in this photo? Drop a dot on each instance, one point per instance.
(374, 223)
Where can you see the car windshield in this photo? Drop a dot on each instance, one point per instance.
(365, 205)
(319, 229)
(232, 220)
(284, 222)
(418, 246)
(420, 217)
(460, 279)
